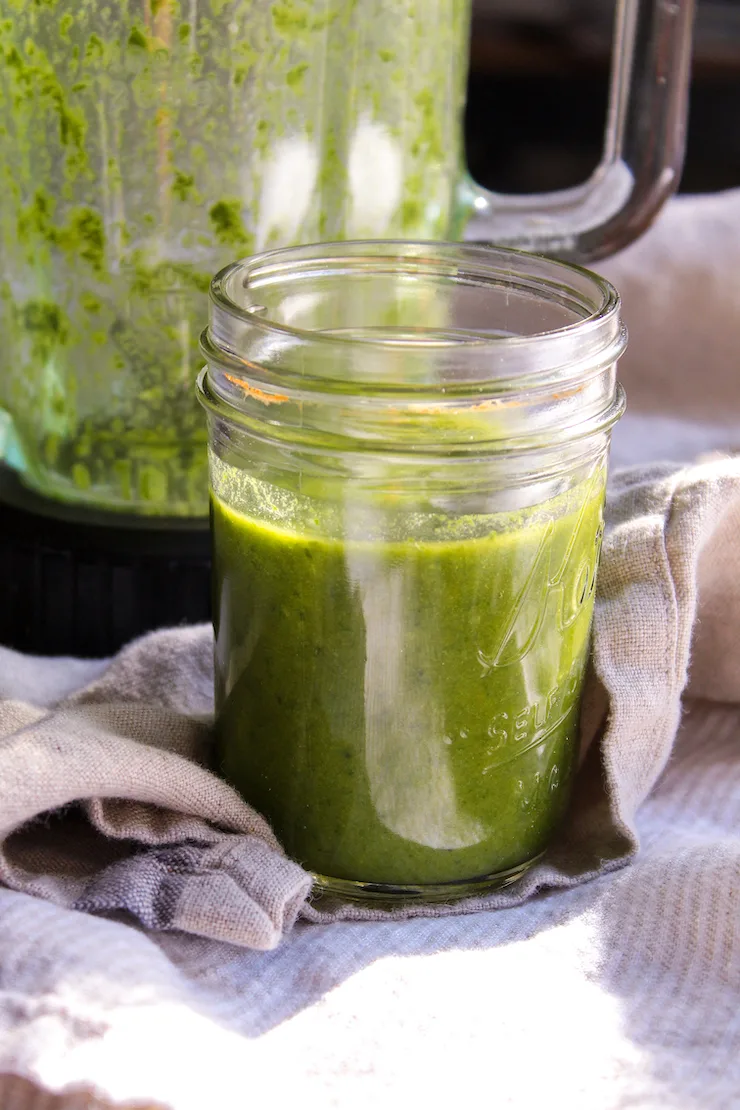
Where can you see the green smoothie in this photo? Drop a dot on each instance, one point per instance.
(404, 709)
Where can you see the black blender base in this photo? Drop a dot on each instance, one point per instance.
(79, 582)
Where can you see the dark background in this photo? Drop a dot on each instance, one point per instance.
(538, 87)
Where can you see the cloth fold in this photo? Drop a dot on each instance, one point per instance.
(106, 805)
(177, 847)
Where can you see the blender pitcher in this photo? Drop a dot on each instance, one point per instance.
(144, 144)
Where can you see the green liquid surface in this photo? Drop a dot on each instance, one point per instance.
(406, 712)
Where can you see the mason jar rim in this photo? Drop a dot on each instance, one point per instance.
(593, 336)
(397, 249)
(461, 392)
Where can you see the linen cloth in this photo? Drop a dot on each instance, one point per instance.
(621, 992)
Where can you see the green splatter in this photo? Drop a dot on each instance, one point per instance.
(94, 48)
(45, 321)
(287, 20)
(431, 136)
(412, 214)
(84, 237)
(52, 447)
(182, 185)
(138, 39)
(245, 58)
(90, 303)
(152, 483)
(227, 223)
(35, 219)
(294, 77)
(165, 276)
(81, 476)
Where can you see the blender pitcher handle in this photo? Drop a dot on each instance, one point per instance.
(643, 151)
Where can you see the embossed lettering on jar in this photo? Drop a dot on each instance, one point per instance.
(408, 448)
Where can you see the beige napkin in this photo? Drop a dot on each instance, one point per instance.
(106, 806)
(153, 833)
(681, 304)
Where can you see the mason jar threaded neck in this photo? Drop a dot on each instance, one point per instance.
(413, 346)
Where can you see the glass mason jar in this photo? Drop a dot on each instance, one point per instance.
(146, 143)
(408, 450)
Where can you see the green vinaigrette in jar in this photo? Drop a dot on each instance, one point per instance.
(406, 529)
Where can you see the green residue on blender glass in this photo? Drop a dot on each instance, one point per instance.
(147, 143)
(81, 237)
(44, 321)
(288, 21)
(183, 185)
(228, 226)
